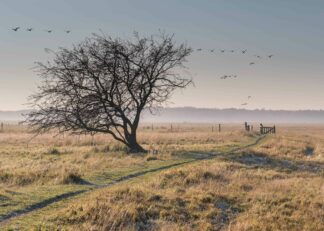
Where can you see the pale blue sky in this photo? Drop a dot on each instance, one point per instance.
(292, 30)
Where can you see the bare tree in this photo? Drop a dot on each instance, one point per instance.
(102, 85)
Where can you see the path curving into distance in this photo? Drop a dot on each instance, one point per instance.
(42, 204)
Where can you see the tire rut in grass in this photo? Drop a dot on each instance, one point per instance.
(31, 208)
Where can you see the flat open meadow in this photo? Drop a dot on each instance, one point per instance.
(193, 178)
(161, 115)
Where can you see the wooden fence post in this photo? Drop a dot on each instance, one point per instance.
(92, 140)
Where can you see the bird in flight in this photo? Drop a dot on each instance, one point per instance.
(258, 56)
(232, 51)
(49, 31)
(199, 49)
(47, 50)
(244, 104)
(252, 63)
(270, 56)
(29, 29)
(228, 76)
(67, 31)
(244, 51)
(16, 28)
(212, 50)
(222, 51)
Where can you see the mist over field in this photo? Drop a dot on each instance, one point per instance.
(207, 115)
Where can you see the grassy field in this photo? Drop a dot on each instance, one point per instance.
(190, 180)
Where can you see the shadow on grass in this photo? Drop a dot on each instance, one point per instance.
(261, 160)
(81, 181)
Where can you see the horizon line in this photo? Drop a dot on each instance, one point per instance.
(208, 108)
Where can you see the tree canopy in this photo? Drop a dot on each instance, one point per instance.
(102, 85)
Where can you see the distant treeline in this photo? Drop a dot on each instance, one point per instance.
(7, 116)
(205, 115)
(202, 115)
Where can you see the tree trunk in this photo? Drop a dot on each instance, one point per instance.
(133, 146)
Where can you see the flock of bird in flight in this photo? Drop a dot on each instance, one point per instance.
(31, 29)
(244, 51)
(238, 51)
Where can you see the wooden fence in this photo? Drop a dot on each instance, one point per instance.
(267, 130)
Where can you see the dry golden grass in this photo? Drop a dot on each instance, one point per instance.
(57, 160)
(299, 143)
(207, 196)
(277, 185)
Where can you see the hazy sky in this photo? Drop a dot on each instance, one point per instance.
(292, 30)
